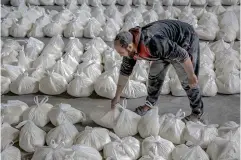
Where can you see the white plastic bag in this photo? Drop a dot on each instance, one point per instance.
(46, 2)
(198, 12)
(181, 2)
(98, 43)
(214, 2)
(165, 89)
(208, 85)
(134, 15)
(176, 87)
(200, 134)
(229, 2)
(30, 136)
(139, 2)
(165, 15)
(129, 24)
(149, 17)
(11, 72)
(52, 29)
(223, 149)
(167, 2)
(5, 26)
(230, 19)
(164, 147)
(124, 2)
(227, 33)
(94, 3)
(70, 61)
(74, 45)
(207, 33)
(16, 3)
(72, 5)
(194, 152)
(65, 132)
(123, 149)
(64, 113)
(80, 86)
(230, 131)
(92, 54)
(175, 12)
(24, 84)
(105, 119)
(20, 28)
(127, 123)
(8, 135)
(38, 113)
(11, 153)
(111, 53)
(44, 61)
(198, 2)
(93, 137)
(53, 84)
(217, 9)
(37, 73)
(89, 153)
(125, 9)
(33, 44)
(5, 83)
(37, 28)
(149, 124)
(208, 19)
(60, 2)
(139, 73)
(134, 89)
(108, 2)
(92, 29)
(74, 29)
(219, 46)
(63, 69)
(110, 30)
(23, 60)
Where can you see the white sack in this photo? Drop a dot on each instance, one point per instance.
(24, 84)
(92, 54)
(89, 153)
(91, 69)
(94, 3)
(127, 148)
(194, 152)
(105, 119)
(33, 44)
(219, 46)
(208, 19)
(214, 2)
(5, 84)
(134, 89)
(172, 127)
(44, 61)
(174, 11)
(157, 6)
(23, 60)
(46, 2)
(139, 2)
(65, 133)
(52, 29)
(223, 149)
(139, 73)
(165, 15)
(207, 33)
(20, 28)
(198, 12)
(165, 89)
(125, 9)
(8, 135)
(10, 44)
(198, 2)
(108, 2)
(53, 84)
(72, 5)
(149, 17)
(63, 69)
(99, 15)
(80, 86)
(64, 113)
(134, 14)
(227, 33)
(110, 30)
(129, 24)
(82, 17)
(167, 2)
(230, 19)
(149, 124)
(217, 9)
(74, 29)
(5, 26)
(93, 137)
(70, 61)
(11, 153)
(11, 72)
(30, 136)
(208, 85)
(164, 147)
(181, 2)
(98, 43)
(92, 29)
(176, 87)
(200, 134)
(10, 59)
(84, 5)
(5, 11)
(127, 123)
(55, 47)
(16, 3)
(141, 8)
(37, 73)
(38, 113)
(37, 28)
(60, 2)
(111, 53)
(229, 2)
(124, 2)
(74, 48)
(63, 17)
(111, 64)
(230, 130)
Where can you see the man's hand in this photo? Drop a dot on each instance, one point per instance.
(114, 101)
(192, 81)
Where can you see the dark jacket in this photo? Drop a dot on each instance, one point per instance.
(167, 40)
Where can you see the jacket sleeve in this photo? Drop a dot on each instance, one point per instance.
(127, 66)
(165, 48)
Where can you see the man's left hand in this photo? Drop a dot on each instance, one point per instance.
(192, 81)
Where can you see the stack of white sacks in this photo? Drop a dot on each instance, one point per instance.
(166, 137)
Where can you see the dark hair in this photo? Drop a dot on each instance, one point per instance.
(125, 38)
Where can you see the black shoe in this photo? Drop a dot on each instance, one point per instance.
(195, 116)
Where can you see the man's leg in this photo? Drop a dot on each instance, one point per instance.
(156, 78)
(194, 94)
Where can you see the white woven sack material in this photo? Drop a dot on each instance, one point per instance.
(44, 61)
(94, 3)
(12, 72)
(108, 2)
(33, 13)
(110, 10)
(92, 54)
(204, 33)
(125, 9)
(229, 18)
(111, 53)
(91, 69)
(198, 12)
(5, 26)
(228, 54)
(149, 124)
(8, 135)
(165, 89)
(105, 119)
(214, 2)
(194, 152)
(124, 2)
(33, 2)
(128, 148)
(16, 3)
(134, 15)
(60, 2)
(199, 134)
(70, 61)
(24, 84)
(83, 151)
(206, 50)
(198, 2)
(92, 29)
(98, 14)
(181, 2)
(10, 58)
(53, 84)
(114, 73)
(208, 18)
(65, 132)
(217, 9)
(141, 8)
(219, 46)
(139, 2)
(46, 2)
(152, 157)
(93, 137)
(230, 130)
(37, 28)
(23, 60)
(228, 34)
(129, 24)
(10, 44)
(5, 11)
(167, 2)
(11, 153)
(127, 123)
(164, 147)
(165, 15)
(33, 43)
(105, 86)
(53, 29)
(74, 29)
(190, 19)
(149, 17)
(134, 89)
(157, 6)
(73, 44)
(84, 5)
(18, 31)
(12, 111)
(174, 11)
(230, 2)
(223, 149)
(5, 84)
(172, 127)
(63, 69)
(37, 73)
(54, 47)
(208, 85)
(98, 43)
(38, 113)
(139, 73)
(65, 113)
(110, 30)
(72, 5)
(176, 87)
(80, 86)
(30, 136)
(228, 83)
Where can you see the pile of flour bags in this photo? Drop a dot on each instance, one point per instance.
(79, 70)
(102, 18)
(164, 137)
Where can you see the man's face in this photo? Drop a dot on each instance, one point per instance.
(125, 52)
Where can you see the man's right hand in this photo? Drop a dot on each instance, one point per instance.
(114, 101)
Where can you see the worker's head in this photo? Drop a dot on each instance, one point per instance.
(124, 44)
